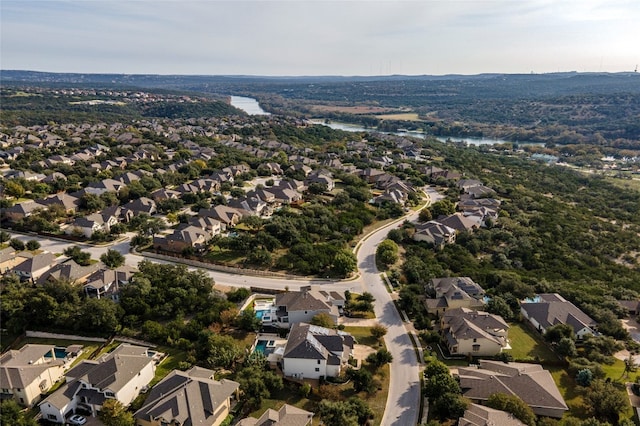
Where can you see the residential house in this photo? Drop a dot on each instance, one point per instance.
(68, 271)
(8, 259)
(120, 375)
(391, 196)
(479, 415)
(435, 233)
(22, 210)
(632, 306)
(164, 194)
(105, 185)
(301, 306)
(68, 202)
(287, 415)
(87, 225)
(33, 267)
(451, 293)
(228, 216)
(460, 222)
(107, 282)
(474, 333)
(530, 382)
(142, 205)
(184, 237)
(322, 177)
(550, 309)
(314, 352)
(189, 397)
(29, 372)
(251, 205)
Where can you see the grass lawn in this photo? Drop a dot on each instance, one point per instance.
(527, 346)
(363, 336)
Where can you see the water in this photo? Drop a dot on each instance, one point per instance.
(248, 105)
(469, 140)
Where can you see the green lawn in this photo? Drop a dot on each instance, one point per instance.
(527, 346)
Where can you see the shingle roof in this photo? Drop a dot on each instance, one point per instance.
(530, 382)
(300, 301)
(287, 415)
(553, 309)
(19, 368)
(190, 398)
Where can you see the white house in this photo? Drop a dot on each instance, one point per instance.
(475, 333)
(550, 309)
(27, 373)
(301, 306)
(120, 375)
(314, 352)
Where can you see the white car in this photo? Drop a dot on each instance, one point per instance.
(77, 419)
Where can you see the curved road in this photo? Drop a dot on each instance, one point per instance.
(403, 400)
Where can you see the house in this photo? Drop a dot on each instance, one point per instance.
(141, 205)
(33, 267)
(105, 185)
(435, 233)
(228, 216)
(301, 306)
(164, 194)
(460, 222)
(22, 210)
(184, 237)
(68, 271)
(68, 202)
(314, 352)
(29, 372)
(8, 259)
(120, 375)
(107, 282)
(530, 382)
(632, 306)
(287, 415)
(189, 397)
(451, 293)
(474, 333)
(547, 310)
(479, 415)
(322, 177)
(101, 221)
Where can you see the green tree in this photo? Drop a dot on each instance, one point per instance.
(556, 332)
(11, 414)
(378, 331)
(352, 412)
(605, 401)
(112, 258)
(344, 263)
(448, 406)
(380, 358)
(443, 207)
(440, 384)
(362, 380)
(498, 306)
(16, 244)
(14, 189)
(114, 413)
(387, 252)
(514, 405)
(91, 203)
(247, 320)
(257, 383)
(82, 258)
(4, 236)
(323, 320)
(425, 215)
(584, 377)
(566, 347)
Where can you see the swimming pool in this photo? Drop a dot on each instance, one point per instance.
(260, 313)
(266, 347)
(60, 353)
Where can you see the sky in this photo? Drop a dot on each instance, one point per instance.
(300, 37)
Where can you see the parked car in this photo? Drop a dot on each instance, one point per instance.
(77, 419)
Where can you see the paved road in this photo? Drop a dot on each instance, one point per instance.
(403, 401)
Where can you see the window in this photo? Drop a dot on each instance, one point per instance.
(18, 389)
(5, 390)
(317, 369)
(52, 417)
(318, 362)
(476, 348)
(475, 340)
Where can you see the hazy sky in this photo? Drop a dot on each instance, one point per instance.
(299, 37)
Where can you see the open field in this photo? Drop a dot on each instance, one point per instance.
(526, 346)
(361, 109)
(405, 116)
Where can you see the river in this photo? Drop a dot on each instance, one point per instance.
(248, 105)
(252, 107)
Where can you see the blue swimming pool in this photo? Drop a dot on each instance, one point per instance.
(60, 353)
(261, 346)
(260, 313)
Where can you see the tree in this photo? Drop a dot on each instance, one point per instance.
(387, 252)
(440, 384)
(257, 383)
(378, 331)
(362, 380)
(566, 347)
(448, 406)
(443, 207)
(605, 401)
(11, 414)
(323, 319)
(4, 236)
(114, 413)
(556, 332)
(380, 358)
(113, 259)
(14, 189)
(514, 405)
(16, 244)
(344, 263)
(32, 245)
(248, 320)
(82, 258)
(91, 203)
(425, 215)
(584, 377)
(498, 306)
(352, 412)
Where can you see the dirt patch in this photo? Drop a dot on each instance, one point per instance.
(361, 109)
(361, 352)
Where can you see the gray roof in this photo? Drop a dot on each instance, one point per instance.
(314, 342)
(35, 263)
(19, 368)
(478, 415)
(553, 309)
(190, 398)
(530, 382)
(301, 301)
(287, 415)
